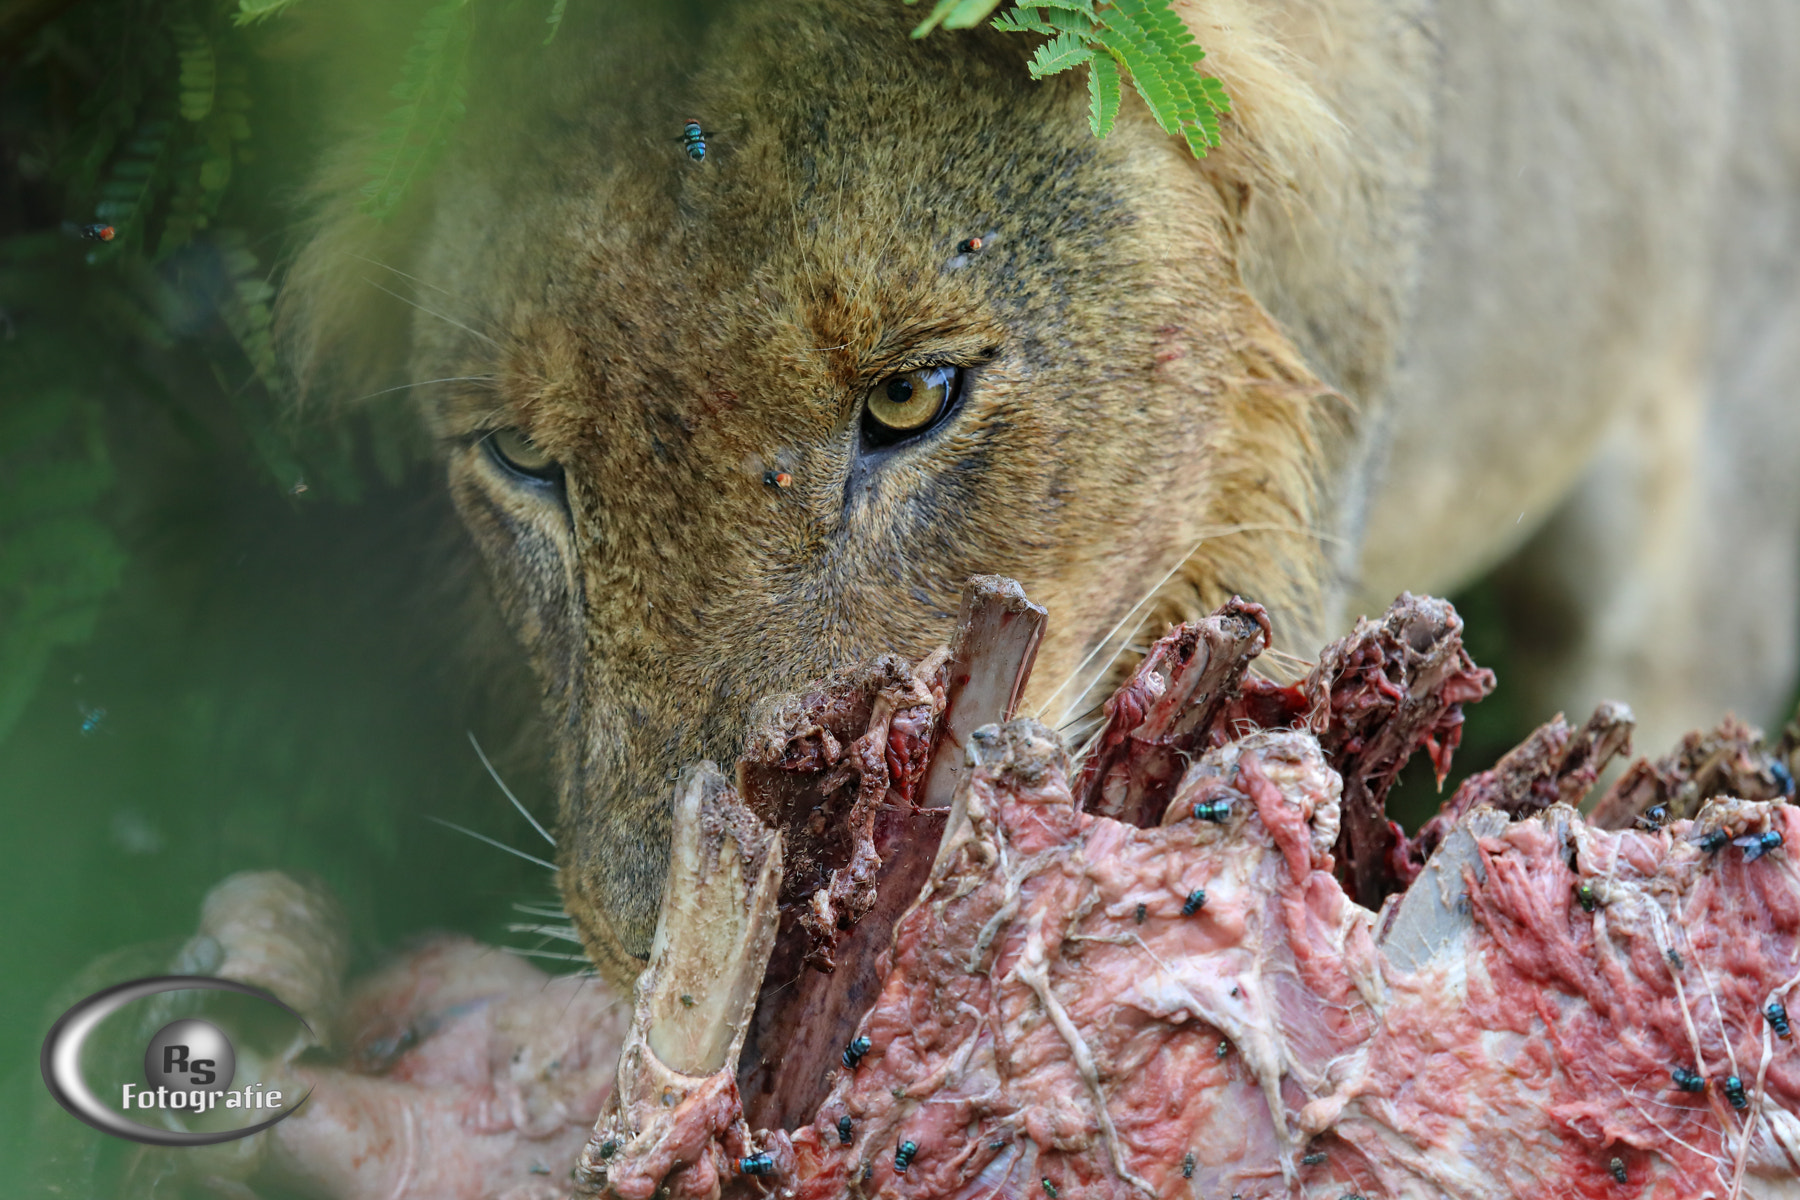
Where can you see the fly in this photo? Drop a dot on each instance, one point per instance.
(1734, 1092)
(1686, 1080)
(92, 719)
(1216, 811)
(1758, 844)
(694, 139)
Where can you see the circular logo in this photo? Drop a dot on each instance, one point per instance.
(189, 1066)
(192, 1055)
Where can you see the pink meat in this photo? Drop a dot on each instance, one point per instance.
(1032, 1029)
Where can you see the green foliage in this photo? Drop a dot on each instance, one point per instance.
(59, 562)
(1145, 39)
(137, 114)
(955, 14)
(431, 92)
(555, 19)
(127, 193)
(1103, 95)
(246, 307)
(199, 71)
(251, 11)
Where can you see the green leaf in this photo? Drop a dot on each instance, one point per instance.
(1062, 20)
(555, 19)
(1059, 54)
(939, 11)
(125, 195)
(246, 308)
(1103, 94)
(1022, 20)
(199, 71)
(251, 11)
(431, 93)
(970, 13)
(1215, 93)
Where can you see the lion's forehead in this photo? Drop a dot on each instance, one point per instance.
(823, 232)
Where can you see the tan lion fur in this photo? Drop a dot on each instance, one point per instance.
(1286, 371)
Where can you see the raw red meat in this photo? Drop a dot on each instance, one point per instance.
(1145, 976)
(1728, 761)
(1549, 767)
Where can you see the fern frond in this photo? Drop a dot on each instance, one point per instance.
(1022, 20)
(199, 70)
(1062, 20)
(1061, 53)
(431, 92)
(126, 194)
(183, 218)
(1103, 94)
(1144, 39)
(202, 172)
(246, 307)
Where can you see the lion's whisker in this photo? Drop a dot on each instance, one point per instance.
(432, 312)
(555, 954)
(401, 387)
(375, 262)
(1150, 594)
(523, 811)
(540, 910)
(561, 933)
(482, 837)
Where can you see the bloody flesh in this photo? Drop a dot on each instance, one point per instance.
(1052, 1013)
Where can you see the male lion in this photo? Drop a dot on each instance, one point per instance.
(1458, 273)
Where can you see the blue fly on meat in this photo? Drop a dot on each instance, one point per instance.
(1784, 778)
(1756, 845)
(1216, 811)
(1713, 842)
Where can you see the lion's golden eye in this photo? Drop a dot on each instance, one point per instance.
(512, 449)
(912, 401)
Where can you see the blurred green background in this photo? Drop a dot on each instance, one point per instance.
(232, 638)
(229, 638)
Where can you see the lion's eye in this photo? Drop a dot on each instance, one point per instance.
(911, 402)
(519, 454)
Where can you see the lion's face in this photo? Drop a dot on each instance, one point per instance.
(720, 426)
